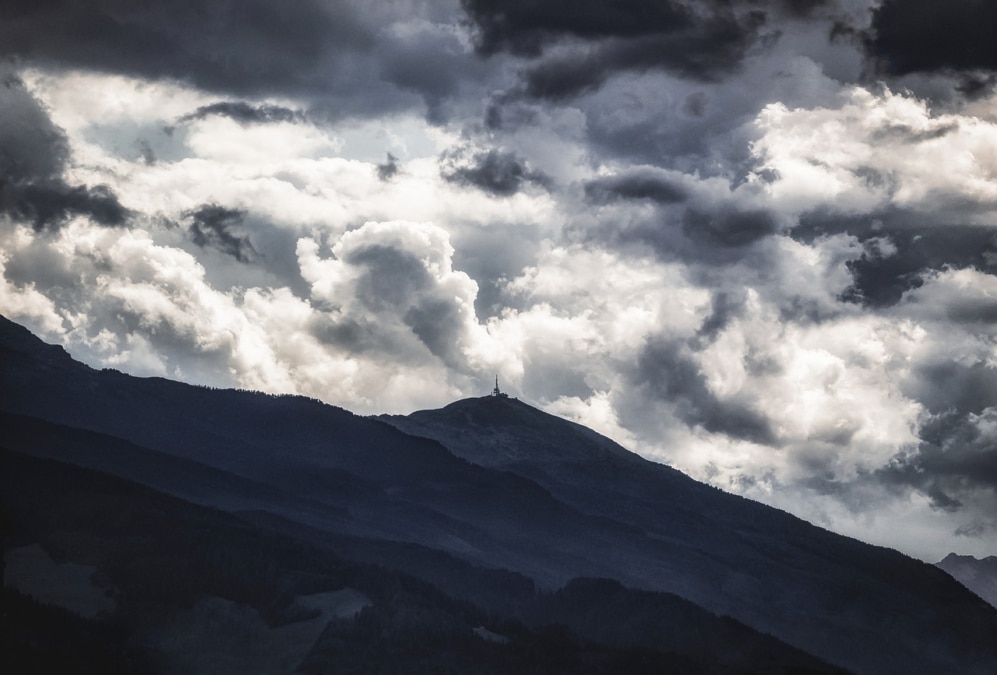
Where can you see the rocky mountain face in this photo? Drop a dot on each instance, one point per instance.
(210, 530)
(976, 574)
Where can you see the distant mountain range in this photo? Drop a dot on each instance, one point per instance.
(154, 526)
(978, 575)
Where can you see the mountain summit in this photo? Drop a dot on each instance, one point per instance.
(501, 431)
(460, 535)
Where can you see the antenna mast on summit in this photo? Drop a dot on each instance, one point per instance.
(496, 391)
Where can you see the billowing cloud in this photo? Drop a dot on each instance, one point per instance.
(387, 308)
(393, 288)
(875, 150)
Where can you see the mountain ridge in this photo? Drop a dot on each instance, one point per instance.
(501, 413)
(977, 574)
(561, 502)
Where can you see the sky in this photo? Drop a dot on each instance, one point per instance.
(754, 240)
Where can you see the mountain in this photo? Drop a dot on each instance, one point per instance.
(858, 605)
(486, 536)
(976, 574)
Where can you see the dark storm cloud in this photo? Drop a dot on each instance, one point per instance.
(911, 36)
(246, 113)
(949, 386)
(728, 226)
(955, 461)
(526, 28)
(226, 45)
(976, 85)
(341, 57)
(694, 232)
(431, 62)
(221, 228)
(923, 244)
(956, 458)
(880, 281)
(639, 183)
(51, 203)
(32, 147)
(981, 312)
(695, 104)
(701, 43)
(724, 307)
(906, 134)
(497, 172)
(33, 156)
(713, 50)
(506, 111)
(669, 374)
(802, 8)
(389, 169)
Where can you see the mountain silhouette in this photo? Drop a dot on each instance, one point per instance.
(976, 574)
(487, 517)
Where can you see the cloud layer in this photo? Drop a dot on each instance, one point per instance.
(756, 241)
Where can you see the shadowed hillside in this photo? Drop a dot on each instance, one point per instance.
(455, 536)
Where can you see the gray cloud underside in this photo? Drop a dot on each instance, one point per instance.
(666, 373)
(246, 113)
(498, 172)
(33, 157)
(215, 45)
(922, 245)
(331, 55)
(219, 227)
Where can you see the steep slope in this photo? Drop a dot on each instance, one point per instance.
(187, 588)
(604, 611)
(342, 473)
(194, 590)
(868, 608)
(977, 574)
